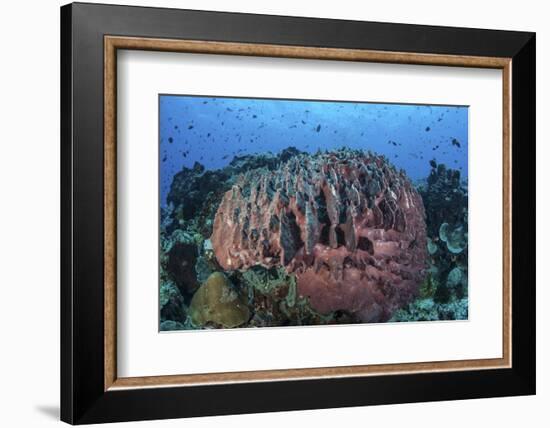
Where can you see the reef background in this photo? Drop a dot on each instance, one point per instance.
(206, 143)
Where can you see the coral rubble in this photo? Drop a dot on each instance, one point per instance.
(347, 224)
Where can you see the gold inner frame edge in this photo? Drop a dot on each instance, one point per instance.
(113, 43)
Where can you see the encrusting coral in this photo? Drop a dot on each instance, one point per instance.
(218, 303)
(346, 223)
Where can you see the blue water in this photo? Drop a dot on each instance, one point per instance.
(212, 130)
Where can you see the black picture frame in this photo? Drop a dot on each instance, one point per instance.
(83, 398)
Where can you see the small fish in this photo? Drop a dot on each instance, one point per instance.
(190, 127)
(225, 157)
(170, 140)
(303, 122)
(318, 128)
(427, 128)
(175, 126)
(229, 109)
(455, 142)
(433, 163)
(254, 116)
(164, 158)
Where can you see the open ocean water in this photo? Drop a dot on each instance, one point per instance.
(212, 130)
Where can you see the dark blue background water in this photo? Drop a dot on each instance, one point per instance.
(213, 130)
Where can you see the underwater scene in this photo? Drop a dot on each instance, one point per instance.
(279, 212)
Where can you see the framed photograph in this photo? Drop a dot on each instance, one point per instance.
(265, 213)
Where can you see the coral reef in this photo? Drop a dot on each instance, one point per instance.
(217, 302)
(428, 287)
(445, 199)
(455, 278)
(272, 293)
(178, 258)
(456, 239)
(188, 187)
(312, 239)
(170, 325)
(181, 264)
(432, 247)
(346, 223)
(171, 302)
(429, 310)
(195, 192)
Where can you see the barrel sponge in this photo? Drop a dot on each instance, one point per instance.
(347, 223)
